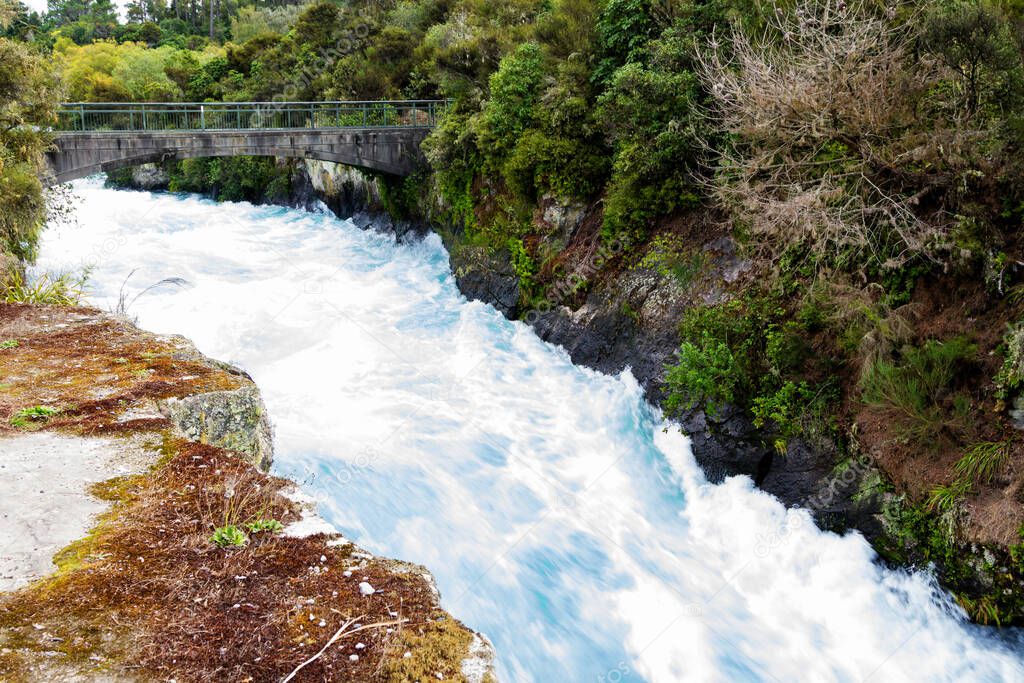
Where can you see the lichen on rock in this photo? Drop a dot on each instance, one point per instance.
(235, 420)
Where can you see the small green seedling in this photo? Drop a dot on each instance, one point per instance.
(9, 344)
(262, 525)
(229, 536)
(26, 416)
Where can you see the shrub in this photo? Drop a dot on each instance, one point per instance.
(624, 27)
(29, 94)
(524, 266)
(751, 353)
(652, 120)
(707, 375)
(784, 409)
(828, 147)
(251, 21)
(917, 389)
(541, 163)
(514, 90)
(868, 327)
(975, 41)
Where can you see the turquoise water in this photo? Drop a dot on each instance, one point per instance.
(560, 514)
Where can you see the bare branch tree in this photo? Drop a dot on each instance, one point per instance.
(827, 147)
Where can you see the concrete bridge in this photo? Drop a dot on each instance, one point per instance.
(375, 136)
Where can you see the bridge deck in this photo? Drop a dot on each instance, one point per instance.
(377, 136)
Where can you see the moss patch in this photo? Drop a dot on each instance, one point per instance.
(433, 648)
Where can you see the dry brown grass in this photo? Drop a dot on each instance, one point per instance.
(93, 367)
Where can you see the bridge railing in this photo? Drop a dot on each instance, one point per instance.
(171, 116)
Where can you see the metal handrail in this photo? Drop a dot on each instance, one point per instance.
(171, 116)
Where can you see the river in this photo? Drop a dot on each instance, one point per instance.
(560, 514)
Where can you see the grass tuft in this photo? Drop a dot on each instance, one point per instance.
(982, 462)
(945, 498)
(55, 289)
(26, 417)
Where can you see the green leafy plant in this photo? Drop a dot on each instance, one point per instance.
(229, 536)
(784, 408)
(946, 497)
(27, 416)
(706, 374)
(264, 525)
(9, 344)
(523, 264)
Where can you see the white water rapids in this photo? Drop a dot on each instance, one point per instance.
(560, 515)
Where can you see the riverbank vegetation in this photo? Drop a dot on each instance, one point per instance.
(866, 162)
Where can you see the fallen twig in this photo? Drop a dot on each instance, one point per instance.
(338, 635)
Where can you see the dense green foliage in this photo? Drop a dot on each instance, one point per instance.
(29, 93)
(751, 353)
(616, 100)
(239, 179)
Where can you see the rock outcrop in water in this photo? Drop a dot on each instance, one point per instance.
(176, 446)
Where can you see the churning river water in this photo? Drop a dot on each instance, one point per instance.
(560, 514)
